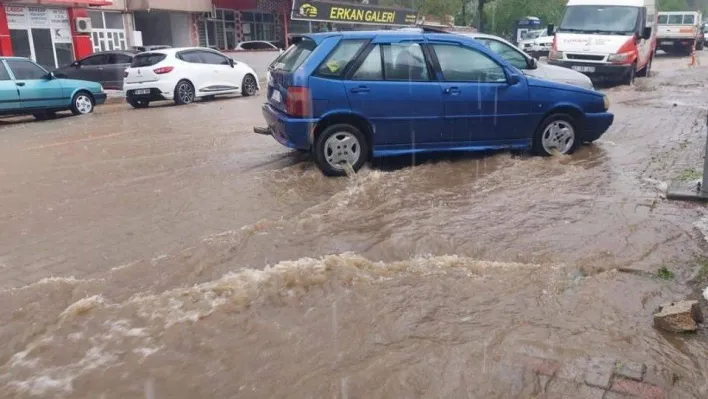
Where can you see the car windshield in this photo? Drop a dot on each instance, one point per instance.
(600, 19)
(531, 35)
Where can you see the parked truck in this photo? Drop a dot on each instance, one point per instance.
(680, 31)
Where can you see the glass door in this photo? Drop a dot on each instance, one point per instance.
(43, 48)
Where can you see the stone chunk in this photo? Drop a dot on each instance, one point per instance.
(599, 373)
(681, 316)
(632, 370)
(637, 389)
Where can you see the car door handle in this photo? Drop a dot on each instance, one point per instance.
(452, 90)
(20, 83)
(360, 89)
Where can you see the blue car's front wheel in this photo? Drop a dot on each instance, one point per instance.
(82, 103)
(557, 134)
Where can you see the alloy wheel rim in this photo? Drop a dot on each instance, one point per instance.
(558, 135)
(342, 148)
(83, 104)
(185, 93)
(250, 84)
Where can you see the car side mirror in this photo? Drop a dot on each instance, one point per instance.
(532, 63)
(513, 79)
(76, 64)
(49, 76)
(231, 62)
(646, 33)
(551, 30)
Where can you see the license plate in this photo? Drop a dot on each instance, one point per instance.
(141, 91)
(584, 68)
(276, 96)
(666, 43)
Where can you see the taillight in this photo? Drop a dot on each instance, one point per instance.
(298, 101)
(125, 74)
(162, 70)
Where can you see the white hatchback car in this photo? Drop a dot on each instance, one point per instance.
(185, 74)
(528, 65)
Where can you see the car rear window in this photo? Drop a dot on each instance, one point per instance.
(145, 60)
(294, 56)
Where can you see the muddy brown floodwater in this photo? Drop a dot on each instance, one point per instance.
(169, 253)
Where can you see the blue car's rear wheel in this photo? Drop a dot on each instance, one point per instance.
(558, 133)
(338, 146)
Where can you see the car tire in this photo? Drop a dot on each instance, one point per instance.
(545, 139)
(138, 103)
(340, 142)
(249, 86)
(184, 92)
(82, 103)
(629, 79)
(646, 72)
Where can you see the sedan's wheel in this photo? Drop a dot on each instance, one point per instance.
(82, 103)
(556, 134)
(338, 146)
(138, 102)
(184, 93)
(249, 87)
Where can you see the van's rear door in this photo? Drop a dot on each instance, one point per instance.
(280, 71)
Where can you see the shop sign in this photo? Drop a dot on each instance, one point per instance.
(36, 17)
(16, 17)
(323, 11)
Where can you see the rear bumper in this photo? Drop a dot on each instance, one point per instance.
(100, 98)
(602, 71)
(159, 90)
(596, 125)
(290, 132)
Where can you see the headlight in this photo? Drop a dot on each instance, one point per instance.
(621, 58)
(606, 101)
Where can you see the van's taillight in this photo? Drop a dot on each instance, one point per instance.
(298, 101)
(125, 74)
(162, 70)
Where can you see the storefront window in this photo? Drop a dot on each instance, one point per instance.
(107, 31)
(41, 34)
(258, 26)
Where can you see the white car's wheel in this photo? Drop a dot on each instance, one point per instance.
(249, 86)
(184, 93)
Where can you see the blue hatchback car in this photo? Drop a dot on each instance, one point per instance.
(349, 96)
(27, 88)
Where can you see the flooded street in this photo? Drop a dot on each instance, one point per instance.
(171, 253)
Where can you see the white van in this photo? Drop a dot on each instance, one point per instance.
(606, 39)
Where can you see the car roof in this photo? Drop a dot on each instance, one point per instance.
(175, 50)
(13, 58)
(125, 52)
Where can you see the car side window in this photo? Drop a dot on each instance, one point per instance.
(689, 19)
(337, 61)
(191, 56)
(405, 61)
(95, 60)
(26, 70)
(248, 46)
(510, 54)
(120, 59)
(462, 64)
(675, 19)
(263, 46)
(213, 58)
(371, 68)
(4, 75)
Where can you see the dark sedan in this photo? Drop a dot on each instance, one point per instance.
(106, 68)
